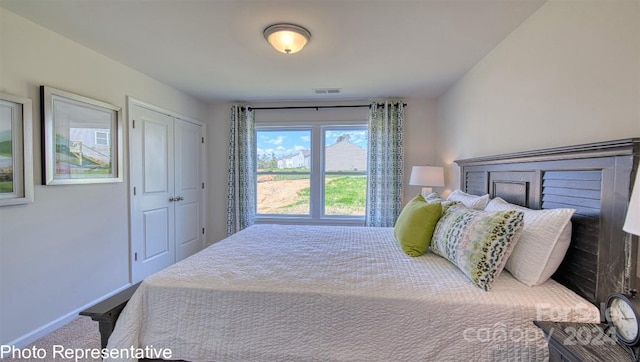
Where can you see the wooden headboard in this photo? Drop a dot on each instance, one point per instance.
(596, 179)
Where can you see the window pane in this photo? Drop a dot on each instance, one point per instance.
(283, 194)
(102, 138)
(345, 195)
(345, 150)
(284, 165)
(345, 171)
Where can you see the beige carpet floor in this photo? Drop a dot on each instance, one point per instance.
(80, 333)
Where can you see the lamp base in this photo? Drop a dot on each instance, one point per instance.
(426, 191)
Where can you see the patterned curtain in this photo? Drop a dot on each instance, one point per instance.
(241, 196)
(384, 182)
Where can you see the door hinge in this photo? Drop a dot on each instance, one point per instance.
(133, 123)
(135, 256)
(202, 139)
(203, 185)
(202, 231)
(134, 191)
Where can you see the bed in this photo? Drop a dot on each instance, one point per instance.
(314, 293)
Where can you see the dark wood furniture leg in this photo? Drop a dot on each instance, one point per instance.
(106, 312)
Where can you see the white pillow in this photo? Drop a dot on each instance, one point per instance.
(471, 201)
(543, 243)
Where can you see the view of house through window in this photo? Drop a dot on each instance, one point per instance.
(326, 178)
(345, 171)
(284, 171)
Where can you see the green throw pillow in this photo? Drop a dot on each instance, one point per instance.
(415, 225)
(477, 242)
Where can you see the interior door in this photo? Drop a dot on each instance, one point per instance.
(152, 201)
(188, 188)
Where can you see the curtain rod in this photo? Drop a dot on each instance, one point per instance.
(318, 107)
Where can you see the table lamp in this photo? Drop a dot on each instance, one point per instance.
(428, 176)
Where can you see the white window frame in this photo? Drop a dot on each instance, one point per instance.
(316, 204)
(297, 128)
(324, 129)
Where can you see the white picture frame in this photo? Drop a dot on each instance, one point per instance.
(16, 150)
(82, 139)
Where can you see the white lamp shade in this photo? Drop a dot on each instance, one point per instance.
(287, 38)
(427, 176)
(632, 222)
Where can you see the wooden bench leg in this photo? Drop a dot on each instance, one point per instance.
(106, 312)
(106, 328)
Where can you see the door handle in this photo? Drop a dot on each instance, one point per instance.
(179, 198)
(172, 199)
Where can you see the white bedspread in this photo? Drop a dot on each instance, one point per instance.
(317, 293)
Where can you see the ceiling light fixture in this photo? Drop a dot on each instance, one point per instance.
(287, 38)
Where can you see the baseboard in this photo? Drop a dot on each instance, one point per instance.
(36, 334)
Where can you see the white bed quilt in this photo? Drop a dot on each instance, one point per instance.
(318, 293)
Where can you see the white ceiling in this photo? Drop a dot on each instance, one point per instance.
(215, 51)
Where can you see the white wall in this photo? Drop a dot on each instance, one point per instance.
(568, 75)
(421, 141)
(420, 145)
(70, 247)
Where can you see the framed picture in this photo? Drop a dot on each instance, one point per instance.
(16, 150)
(82, 139)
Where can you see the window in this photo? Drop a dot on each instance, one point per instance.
(345, 171)
(102, 138)
(312, 172)
(284, 170)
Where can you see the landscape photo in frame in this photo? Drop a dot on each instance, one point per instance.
(16, 155)
(82, 139)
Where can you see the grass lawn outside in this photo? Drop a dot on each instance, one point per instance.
(344, 195)
(6, 187)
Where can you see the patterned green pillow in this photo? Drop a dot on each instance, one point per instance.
(415, 225)
(477, 242)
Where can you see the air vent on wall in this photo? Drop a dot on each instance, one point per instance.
(327, 90)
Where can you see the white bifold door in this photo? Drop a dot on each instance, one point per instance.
(167, 188)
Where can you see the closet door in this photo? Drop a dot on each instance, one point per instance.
(152, 200)
(189, 206)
